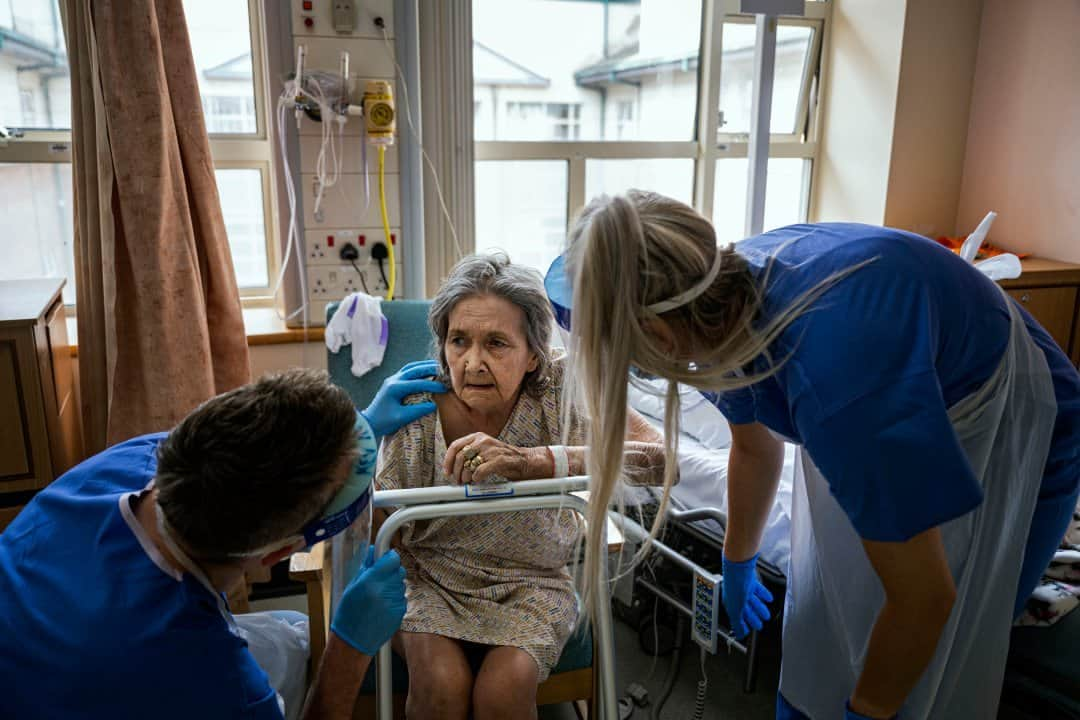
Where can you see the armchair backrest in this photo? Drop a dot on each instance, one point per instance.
(409, 340)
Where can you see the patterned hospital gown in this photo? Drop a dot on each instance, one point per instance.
(497, 579)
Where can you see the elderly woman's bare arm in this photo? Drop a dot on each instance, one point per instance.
(644, 457)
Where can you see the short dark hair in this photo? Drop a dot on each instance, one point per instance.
(252, 466)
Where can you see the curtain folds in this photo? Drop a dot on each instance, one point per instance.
(160, 328)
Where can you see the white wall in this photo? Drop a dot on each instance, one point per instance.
(933, 101)
(895, 113)
(1023, 145)
(862, 63)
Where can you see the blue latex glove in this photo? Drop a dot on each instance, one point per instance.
(386, 413)
(373, 604)
(744, 597)
(850, 714)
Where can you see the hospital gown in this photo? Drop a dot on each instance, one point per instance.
(498, 579)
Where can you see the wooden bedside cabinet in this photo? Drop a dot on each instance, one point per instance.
(1050, 291)
(40, 418)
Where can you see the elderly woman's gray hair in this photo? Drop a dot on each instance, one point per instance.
(494, 274)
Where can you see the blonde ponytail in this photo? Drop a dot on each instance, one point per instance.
(626, 253)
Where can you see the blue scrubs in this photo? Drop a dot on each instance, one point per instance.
(92, 627)
(868, 374)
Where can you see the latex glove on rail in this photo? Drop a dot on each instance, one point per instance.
(745, 597)
(387, 412)
(373, 605)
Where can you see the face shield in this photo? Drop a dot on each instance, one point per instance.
(560, 292)
(349, 512)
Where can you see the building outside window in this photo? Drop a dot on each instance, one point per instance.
(35, 170)
(621, 104)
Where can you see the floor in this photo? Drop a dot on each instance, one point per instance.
(724, 697)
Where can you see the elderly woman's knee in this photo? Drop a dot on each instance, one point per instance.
(439, 677)
(507, 680)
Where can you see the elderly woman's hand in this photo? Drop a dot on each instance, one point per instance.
(476, 457)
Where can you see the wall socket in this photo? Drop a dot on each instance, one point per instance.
(330, 283)
(324, 248)
(329, 278)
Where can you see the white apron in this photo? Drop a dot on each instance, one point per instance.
(834, 595)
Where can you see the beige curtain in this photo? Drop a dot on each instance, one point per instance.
(160, 328)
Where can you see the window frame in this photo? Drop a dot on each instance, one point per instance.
(250, 151)
(707, 146)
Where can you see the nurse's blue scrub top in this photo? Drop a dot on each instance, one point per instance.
(868, 373)
(92, 627)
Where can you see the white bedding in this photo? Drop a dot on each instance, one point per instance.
(703, 483)
(703, 454)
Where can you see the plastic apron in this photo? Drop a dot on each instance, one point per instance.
(834, 595)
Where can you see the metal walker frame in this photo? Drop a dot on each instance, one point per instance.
(442, 501)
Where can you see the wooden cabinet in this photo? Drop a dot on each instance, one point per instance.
(40, 418)
(1050, 291)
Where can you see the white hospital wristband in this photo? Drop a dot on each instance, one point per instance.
(562, 460)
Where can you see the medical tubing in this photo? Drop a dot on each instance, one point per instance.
(364, 162)
(673, 670)
(386, 223)
(293, 236)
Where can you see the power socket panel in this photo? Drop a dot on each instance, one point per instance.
(324, 248)
(330, 283)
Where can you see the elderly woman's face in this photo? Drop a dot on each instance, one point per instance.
(487, 352)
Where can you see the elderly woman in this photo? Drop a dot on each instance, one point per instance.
(491, 602)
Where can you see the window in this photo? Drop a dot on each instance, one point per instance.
(524, 209)
(625, 129)
(35, 173)
(543, 121)
(620, 105)
(673, 177)
(793, 43)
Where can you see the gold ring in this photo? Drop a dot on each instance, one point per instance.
(470, 452)
(476, 461)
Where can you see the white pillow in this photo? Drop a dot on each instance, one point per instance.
(699, 418)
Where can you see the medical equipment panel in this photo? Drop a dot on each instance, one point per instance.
(706, 607)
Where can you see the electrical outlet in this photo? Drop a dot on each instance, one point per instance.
(344, 16)
(318, 252)
(324, 283)
(351, 280)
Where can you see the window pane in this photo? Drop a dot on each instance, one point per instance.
(220, 34)
(242, 205)
(34, 84)
(36, 199)
(673, 177)
(35, 87)
(785, 190)
(521, 209)
(555, 70)
(737, 76)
